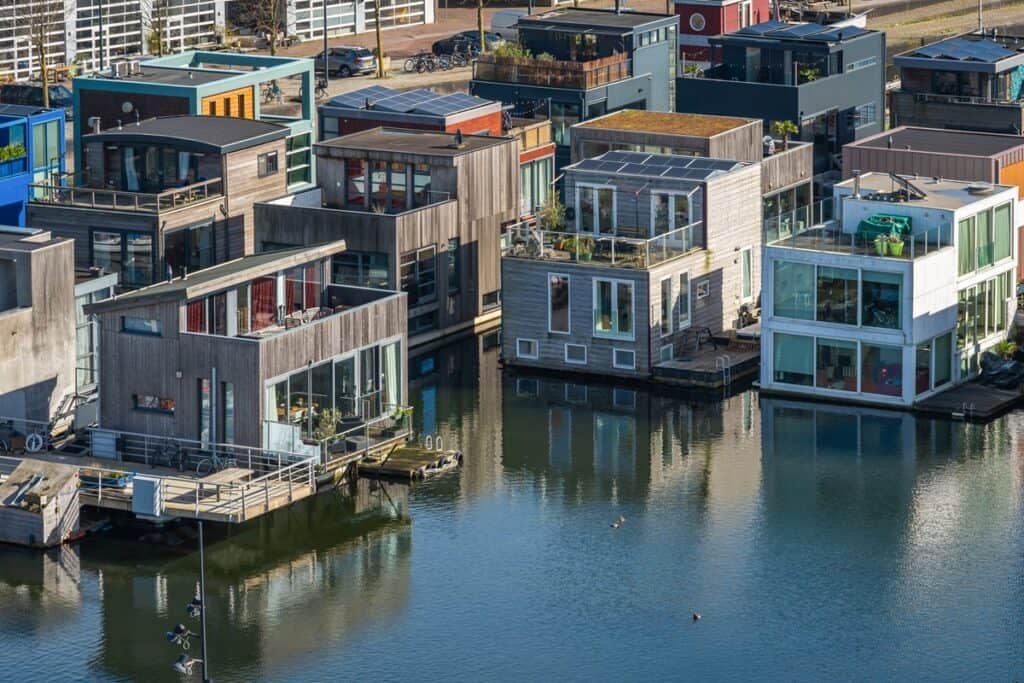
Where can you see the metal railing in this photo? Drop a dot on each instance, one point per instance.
(925, 97)
(579, 75)
(524, 240)
(123, 200)
(394, 422)
(382, 202)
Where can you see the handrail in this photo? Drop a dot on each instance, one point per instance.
(584, 74)
(960, 99)
(125, 200)
(524, 240)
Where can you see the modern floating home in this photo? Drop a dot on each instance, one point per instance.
(996, 158)
(165, 196)
(226, 84)
(254, 351)
(829, 81)
(584, 63)
(660, 252)
(419, 211)
(969, 82)
(786, 167)
(894, 296)
(31, 150)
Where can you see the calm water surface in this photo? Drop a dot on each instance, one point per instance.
(819, 543)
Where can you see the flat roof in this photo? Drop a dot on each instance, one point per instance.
(378, 99)
(668, 166)
(220, 133)
(178, 75)
(22, 110)
(592, 18)
(940, 193)
(425, 143)
(809, 32)
(942, 141)
(695, 125)
(967, 52)
(221, 275)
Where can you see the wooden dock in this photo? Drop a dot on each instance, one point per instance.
(970, 401)
(711, 368)
(409, 462)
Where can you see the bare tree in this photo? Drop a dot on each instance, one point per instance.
(42, 20)
(380, 39)
(480, 24)
(262, 16)
(156, 40)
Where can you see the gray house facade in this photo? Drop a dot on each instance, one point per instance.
(583, 64)
(660, 249)
(829, 81)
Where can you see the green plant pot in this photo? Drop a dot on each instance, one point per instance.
(895, 248)
(880, 247)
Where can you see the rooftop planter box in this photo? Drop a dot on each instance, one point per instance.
(552, 73)
(12, 160)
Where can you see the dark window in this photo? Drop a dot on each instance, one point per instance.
(361, 269)
(266, 164)
(134, 325)
(453, 266)
(419, 275)
(492, 299)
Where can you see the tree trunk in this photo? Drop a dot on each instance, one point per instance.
(480, 24)
(380, 39)
(44, 73)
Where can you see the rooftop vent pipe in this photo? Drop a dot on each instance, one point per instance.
(856, 184)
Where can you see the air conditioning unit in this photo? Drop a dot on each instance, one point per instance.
(134, 67)
(122, 70)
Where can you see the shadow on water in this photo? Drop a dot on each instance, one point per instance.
(838, 531)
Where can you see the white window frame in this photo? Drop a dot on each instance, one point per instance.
(705, 285)
(746, 252)
(593, 188)
(671, 306)
(615, 308)
(575, 362)
(661, 353)
(680, 323)
(621, 366)
(671, 210)
(519, 353)
(547, 284)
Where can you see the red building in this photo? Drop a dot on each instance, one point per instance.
(701, 19)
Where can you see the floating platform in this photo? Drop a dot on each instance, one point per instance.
(971, 401)
(409, 462)
(735, 358)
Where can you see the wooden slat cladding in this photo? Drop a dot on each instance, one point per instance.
(786, 168)
(237, 103)
(243, 187)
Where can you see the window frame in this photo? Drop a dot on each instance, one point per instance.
(265, 161)
(527, 356)
(586, 354)
(139, 331)
(615, 358)
(614, 334)
(548, 281)
(747, 274)
(157, 410)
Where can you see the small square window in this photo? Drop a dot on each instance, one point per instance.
(266, 164)
(576, 393)
(665, 353)
(576, 354)
(526, 348)
(528, 388)
(703, 289)
(624, 359)
(624, 398)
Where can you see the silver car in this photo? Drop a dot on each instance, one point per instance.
(347, 61)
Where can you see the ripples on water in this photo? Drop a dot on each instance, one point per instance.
(818, 542)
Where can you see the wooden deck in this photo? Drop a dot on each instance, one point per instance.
(704, 368)
(971, 401)
(409, 462)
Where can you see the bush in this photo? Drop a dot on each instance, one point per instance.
(511, 51)
(551, 216)
(12, 151)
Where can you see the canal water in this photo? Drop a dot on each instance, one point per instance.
(818, 542)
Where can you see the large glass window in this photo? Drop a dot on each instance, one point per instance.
(983, 223)
(837, 365)
(190, 248)
(880, 299)
(881, 370)
(683, 306)
(666, 306)
(360, 268)
(558, 303)
(1003, 247)
(205, 406)
(321, 394)
(302, 288)
(613, 308)
(535, 181)
(837, 295)
(227, 406)
(793, 290)
(345, 386)
(418, 273)
(454, 280)
(264, 302)
(793, 359)
(922, 368)
(563, 116)
(747, 264)
(965, 246)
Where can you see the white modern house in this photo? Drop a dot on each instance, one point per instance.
(889, 291)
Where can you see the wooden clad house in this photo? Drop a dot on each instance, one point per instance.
(244, 349)
(661, 250)
(419, 211)
(165, 196)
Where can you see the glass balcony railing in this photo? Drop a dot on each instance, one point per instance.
(526, 241)
(67, 193)
(552, 73)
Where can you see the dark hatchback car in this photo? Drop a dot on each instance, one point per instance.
(347, 61)
(31, 94)
(446, 46)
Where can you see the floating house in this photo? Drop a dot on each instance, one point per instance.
(31, 150)
(254, 351)
(968, 82)
(660, 253)
(891, 292)
(419, 211)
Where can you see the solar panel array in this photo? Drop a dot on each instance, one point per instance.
(965, 50)
(656, 165)
(421, 101)
(809, 31)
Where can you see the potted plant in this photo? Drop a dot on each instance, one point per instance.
(808, 74)
(783, 129)
(1006, 349)
(880, 245)
(895, 245)
(12, 159)
(551, 216)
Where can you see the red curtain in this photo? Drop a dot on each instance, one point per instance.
(312, 285)
(195, 316)
(264, 302)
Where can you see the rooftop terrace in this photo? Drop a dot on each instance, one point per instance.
(931, 193)
(696, 125)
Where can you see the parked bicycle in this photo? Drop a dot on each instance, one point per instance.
(321, 88)
(420, 62)
(273, 93)
(168, 454)
(212, 462)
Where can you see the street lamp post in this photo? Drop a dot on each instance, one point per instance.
(180, 635)
(202, 603)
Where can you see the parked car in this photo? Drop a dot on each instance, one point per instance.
(446, 46)
(347, 61)
(31, 94)
(505, 22)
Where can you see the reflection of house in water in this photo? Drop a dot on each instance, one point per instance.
(44, 585)
(276, 587)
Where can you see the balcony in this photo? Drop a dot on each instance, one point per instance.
(936, 98)
(550, 73)
(532, 133)
(337, 301)
(817, 228)
(12, 167)
(613, 251)
(82, 195)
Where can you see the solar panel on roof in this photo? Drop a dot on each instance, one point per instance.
(615, 156)
(963, 49)
(406, 101)
(797, 30)
(610, 166)
(449, 104)
(357, 99)
(838, 34)
(679, 161)
(676, 172)
(762, 28)
(588, 165)
(634, 169)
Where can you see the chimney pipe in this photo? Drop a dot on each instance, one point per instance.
(888, 143)
(856, 184)
(119, 124)
(618, 7)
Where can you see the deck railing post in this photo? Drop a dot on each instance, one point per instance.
(99, 496)
(197, 498)
(266, 494)
(243, 503)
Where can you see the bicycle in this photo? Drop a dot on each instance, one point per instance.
(168, 454)
(272, 93)
(321, 88)
(420, 62)
(214, 463)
